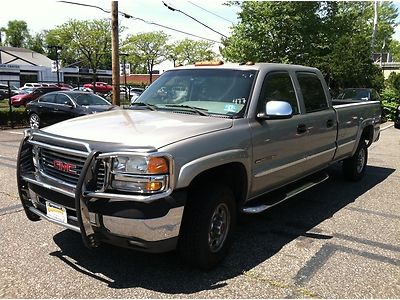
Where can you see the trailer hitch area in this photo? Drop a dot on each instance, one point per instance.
(86, 179)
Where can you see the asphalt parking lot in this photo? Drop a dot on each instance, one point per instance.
(337, 240)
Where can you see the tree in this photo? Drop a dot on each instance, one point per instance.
(189, 51)
(147, 47)
(37, 43)
(17, 34)
(282, 32)
(85, 43)
(394, 49)
(313, 33)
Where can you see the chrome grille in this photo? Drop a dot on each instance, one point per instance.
(47, 158)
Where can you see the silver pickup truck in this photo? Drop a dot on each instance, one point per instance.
(196, 149)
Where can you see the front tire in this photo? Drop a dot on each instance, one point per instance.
(34, 121)
(207, 226)
(354, 167)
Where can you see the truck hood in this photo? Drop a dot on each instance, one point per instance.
(138, 128)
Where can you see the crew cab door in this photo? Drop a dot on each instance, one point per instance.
(320, 123)
(278, 145)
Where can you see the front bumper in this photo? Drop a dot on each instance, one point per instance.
(148, 226)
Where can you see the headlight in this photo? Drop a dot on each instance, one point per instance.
(139, 173)
(140, 164)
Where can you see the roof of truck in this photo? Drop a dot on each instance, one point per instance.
(246, 66)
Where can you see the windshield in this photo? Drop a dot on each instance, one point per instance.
(86, 99)
(215, 91)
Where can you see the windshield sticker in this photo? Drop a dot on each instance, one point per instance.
(230, 108)
(239, 101)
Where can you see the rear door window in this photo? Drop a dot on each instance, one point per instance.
(48, 98)
(313, 92)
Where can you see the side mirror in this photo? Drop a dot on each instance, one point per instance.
(276, 110)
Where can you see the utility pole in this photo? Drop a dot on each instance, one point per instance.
(115, 53)
(375, 28)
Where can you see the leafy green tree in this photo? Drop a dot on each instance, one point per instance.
(149, 48)
(17, 33)
(333, 36)
(282, 32)
(85, 43)
(394, 49)
(37, 43)
(173, 52)
(189, 51)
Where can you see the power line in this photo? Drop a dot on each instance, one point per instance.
(178, 10)
(210, 12)
(88, 5)
(145, 21)
(167, 27)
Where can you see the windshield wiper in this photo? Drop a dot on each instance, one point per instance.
(146, 105)
(198, 110)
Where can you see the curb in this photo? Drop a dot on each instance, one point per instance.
(386, 127)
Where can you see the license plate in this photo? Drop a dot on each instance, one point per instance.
(56, 212)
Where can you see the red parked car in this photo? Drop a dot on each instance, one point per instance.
(23, 99)
(100, 87)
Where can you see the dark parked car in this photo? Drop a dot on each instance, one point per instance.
(397, 120)
(59, 106)
(23, 99)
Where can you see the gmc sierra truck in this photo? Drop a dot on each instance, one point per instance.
(195, 150)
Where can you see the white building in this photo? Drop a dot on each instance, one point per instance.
(20, 65)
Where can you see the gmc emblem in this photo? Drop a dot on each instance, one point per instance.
(64, 167)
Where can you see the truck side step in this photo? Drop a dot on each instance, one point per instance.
(274, 198)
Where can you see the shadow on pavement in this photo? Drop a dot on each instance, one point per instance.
(254, 242)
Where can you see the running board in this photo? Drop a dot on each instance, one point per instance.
(279, 197)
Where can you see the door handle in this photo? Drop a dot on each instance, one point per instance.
(329, 123)
(301, 128)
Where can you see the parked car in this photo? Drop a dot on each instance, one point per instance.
(23, 99)
(83, 89)
(397, 120)
(65, 86)
(4, 91)
(59, 106)
(43, 84)
(100, 87)
(135, 93)
(32, 85)
(351, 95)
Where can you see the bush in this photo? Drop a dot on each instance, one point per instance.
(19, 117)
(389, 109)
(390, 97)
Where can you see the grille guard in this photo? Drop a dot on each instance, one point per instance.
(82, 212)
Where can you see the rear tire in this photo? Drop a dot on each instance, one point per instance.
(354, 167)
(34, 121)
(207, 226)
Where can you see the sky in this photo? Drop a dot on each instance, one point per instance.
(47, 14)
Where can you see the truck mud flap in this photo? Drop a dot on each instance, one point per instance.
(81, 202)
